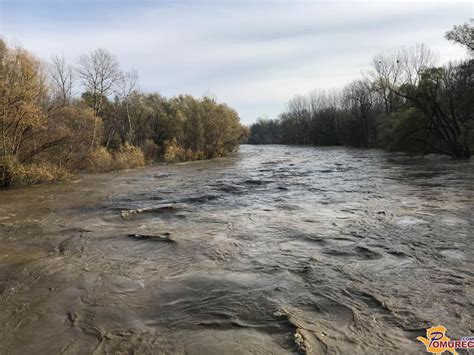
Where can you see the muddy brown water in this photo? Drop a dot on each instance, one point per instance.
(275, 249)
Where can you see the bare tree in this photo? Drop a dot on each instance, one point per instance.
(325, 118)
(387, 73)
(414, 60)
(359, 97)
(300, 111)
(62, 76)
(127, 83)
(99, 72)
(125, 87)
(401, 66)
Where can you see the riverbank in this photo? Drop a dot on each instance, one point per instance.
(102, 162)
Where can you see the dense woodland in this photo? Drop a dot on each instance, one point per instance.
(405, 103)
(57, 119)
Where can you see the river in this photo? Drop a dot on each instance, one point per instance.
(274, 249)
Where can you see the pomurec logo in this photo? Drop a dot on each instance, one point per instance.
(437, 342)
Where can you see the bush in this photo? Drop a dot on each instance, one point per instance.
(151, 150)
(128, 157)
(13, 173)
(174, 152)
(99, 160)
(411, 134)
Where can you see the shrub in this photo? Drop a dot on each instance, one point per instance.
(13, 173)
(174, 152)
(128, 157)
(99, 160)
(151, 150)
(411, 133)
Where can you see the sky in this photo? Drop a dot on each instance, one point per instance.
(252, 55)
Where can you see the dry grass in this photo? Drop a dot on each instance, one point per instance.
(174, 152)
(100, 160)
(13, 173)
(128, 157)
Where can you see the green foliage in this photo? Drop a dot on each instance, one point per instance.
(444, 96)
(411, 132)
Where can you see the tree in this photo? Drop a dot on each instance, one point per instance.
(45, 132)
(414, 60)
(360, 100)
(463, 35)
(265, 131)
(22, 91)
(386, 74)
(296, 121)
(62, 77)
(326, 125)
(445, 96)
(64, 139)
(99, 72)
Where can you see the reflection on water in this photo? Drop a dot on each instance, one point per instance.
(275, 249)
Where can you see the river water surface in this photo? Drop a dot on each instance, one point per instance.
(273, 250)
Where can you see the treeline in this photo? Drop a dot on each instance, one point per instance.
(405, 103)
(48, 131)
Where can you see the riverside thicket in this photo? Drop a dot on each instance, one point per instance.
(47, 132)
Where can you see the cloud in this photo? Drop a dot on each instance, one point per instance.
(252, 55)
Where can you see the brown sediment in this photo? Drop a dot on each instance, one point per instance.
(273, 250)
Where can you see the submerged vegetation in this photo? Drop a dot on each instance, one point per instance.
(404, 103)
(48, 132)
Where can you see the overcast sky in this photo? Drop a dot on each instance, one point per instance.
(253, 55)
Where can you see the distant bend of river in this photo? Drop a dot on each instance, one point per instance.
(274, 249)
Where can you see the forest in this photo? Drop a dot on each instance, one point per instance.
(406, 102)
(57, 119)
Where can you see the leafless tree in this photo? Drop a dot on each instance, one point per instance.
(401, 66)
(359, 97)
(125, 87)
(414, 60)
(126, 84)
(387, 73)
(325, 118)
(62, 76)
(99, 72)
(300, 109)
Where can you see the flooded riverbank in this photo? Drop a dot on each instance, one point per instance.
(273, 250)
